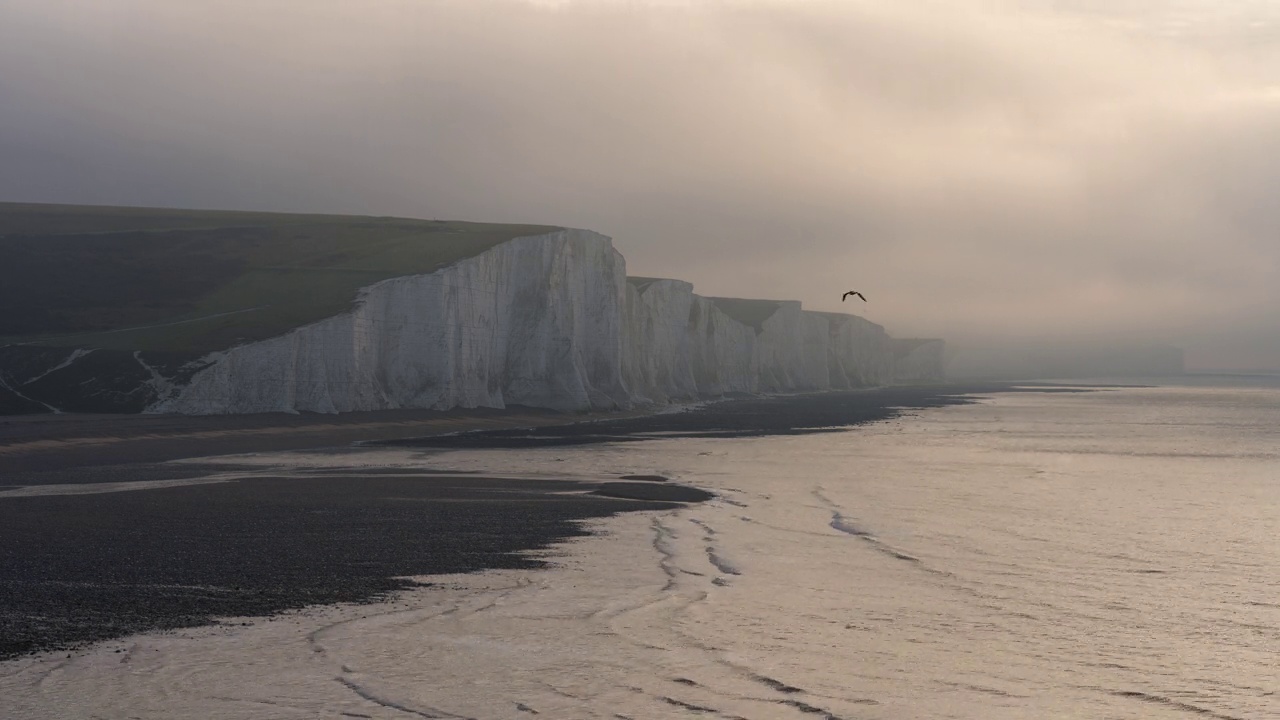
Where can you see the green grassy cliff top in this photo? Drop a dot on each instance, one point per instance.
(193, 281)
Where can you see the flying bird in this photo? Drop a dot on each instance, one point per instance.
(852, 292)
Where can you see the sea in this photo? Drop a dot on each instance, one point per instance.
(1111, 552)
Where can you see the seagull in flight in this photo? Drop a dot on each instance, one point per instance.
(852, 292)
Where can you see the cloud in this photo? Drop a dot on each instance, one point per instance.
(979, 169)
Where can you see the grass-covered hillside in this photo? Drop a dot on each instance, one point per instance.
(192, 281)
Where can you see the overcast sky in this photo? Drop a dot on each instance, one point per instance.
(978, 168)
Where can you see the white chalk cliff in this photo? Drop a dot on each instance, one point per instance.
(918, 360)
(548, 321)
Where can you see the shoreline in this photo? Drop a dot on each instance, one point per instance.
(178, 551)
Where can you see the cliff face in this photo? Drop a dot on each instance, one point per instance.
(732, 345)
(658, 345)
(546, 321)
(782, 350)
(918, 360)
(861, 353)
(535, 321)
(549, 321)
(723, 351)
